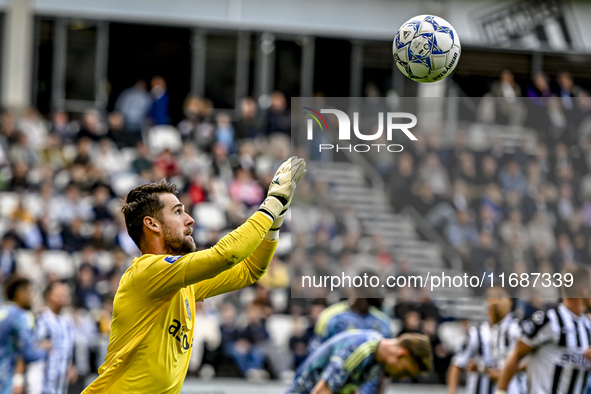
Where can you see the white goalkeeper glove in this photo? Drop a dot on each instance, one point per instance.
(282, 188)
(500, 391)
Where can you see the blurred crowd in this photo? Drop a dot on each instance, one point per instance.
(521, 208)
(62, 180)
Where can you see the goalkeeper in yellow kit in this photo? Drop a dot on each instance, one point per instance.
(154, 308)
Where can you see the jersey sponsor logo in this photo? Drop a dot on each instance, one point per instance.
(538, 317)
(177, 331)
(528, 327)
(171, 259)
(576, 360)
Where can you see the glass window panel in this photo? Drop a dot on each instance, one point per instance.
(80, 61)
(220, 70)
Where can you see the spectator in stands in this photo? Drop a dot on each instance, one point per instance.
(567, 90)
(134, 103)
(245, 352)
(424, 198)
(278, 118)
(564, 254)
(143, 161)
(513, 229)
(123, 137)
(434, 174)
(224, 131)
(462, 233)
(91, 127)
(52, 154)
(466, 171)
(8, 128)
(221, 165)
(7, 257)
(166, 165)
(60, 125)
(20, 151)
(244, 189)
(504, 97)
(400, 181)
(248, 125)
(484, 256)
(101, 200)
(540, 231)
(539, 90)
(192, 108)
(298, 343)
(85, 291)
(511, 178)
(73, 235)
(159, 112)
(203, 132)
(34, 127)
(73, 206)
(108, 158)
(565, 204)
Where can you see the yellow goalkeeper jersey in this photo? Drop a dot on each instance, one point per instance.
(153, 311)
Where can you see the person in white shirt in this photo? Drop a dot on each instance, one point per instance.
(557, 341)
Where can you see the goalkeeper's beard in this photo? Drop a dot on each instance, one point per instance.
(178, 244)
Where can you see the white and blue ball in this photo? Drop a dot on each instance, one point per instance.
(426, 48)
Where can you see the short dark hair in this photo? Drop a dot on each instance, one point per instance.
(14, 285)
(144, 201)
(48, 289)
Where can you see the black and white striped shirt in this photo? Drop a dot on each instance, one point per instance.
(504, 335)
(557, 365)
(477, 349)
(50, 374)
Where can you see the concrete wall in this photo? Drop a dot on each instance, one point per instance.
(372, 19)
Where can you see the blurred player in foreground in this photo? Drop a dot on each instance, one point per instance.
(354, 358)
(154, 308)
(354, 313)
(16, 334)
(54, 372)
(558, 342)
(487, 347)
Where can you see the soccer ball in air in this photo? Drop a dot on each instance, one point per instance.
(426, 48)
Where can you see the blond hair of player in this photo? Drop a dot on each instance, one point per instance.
(153, 311)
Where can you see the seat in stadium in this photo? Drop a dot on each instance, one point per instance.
(280, 328)
(122, 183)
(210, 216)
(164, 137)
(8, 203)
(59, 263)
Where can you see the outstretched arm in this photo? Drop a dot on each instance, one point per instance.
(244, 274)
(161, 275)
(158, 276)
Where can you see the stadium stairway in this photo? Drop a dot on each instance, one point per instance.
(349, 189)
